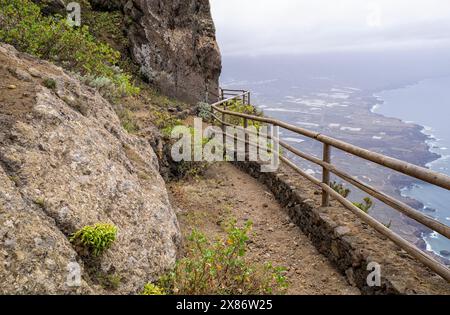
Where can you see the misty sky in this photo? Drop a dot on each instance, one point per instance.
(255, 27)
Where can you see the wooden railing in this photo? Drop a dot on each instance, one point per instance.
(403, 167)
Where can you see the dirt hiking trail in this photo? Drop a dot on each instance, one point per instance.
(225, 192)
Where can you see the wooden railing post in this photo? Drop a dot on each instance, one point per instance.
(326, 175)
(248, 98)
(246, 137)
(224, 130)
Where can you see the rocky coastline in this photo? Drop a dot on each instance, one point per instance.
(400, 183)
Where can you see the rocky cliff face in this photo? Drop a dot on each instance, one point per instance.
(174, 43)
(66, 162)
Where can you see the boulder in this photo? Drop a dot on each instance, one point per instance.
(66, 162)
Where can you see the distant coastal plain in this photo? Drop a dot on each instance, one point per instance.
(346, 96)
(351, 115)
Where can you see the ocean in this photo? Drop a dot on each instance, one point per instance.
(427, 104)
(393, 104)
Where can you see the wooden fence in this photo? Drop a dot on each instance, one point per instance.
(434, 178)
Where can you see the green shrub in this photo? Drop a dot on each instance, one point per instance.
(340, 189)
(162, 101)
(366, 205)
(96, 238)
(221, 268)
(49, 84)
(189, 169)
(106, 25)
(152, 289)
(51, 37)
(239, 107)
(102, 84)
(204, 111)
(165, 121)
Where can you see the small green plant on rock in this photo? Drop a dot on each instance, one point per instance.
(221, 268)
(15, 179)
(366, 205)
(49, 84)
(152, 289)
(204, 111)
(40, 202)
(109, 281)
(96, 238)
(128, 121)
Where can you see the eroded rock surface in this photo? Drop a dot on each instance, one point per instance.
(175, 45)
(65, 162)
(172, 41)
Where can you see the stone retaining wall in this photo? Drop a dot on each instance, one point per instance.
(349, 243)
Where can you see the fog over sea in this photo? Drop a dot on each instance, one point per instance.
(342, 95)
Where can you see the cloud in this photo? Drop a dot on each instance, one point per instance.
(253, 27)
(374, 15)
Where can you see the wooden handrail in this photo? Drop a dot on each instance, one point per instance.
(403, 167)
(434, 265)
(231, 90)
(388, 200)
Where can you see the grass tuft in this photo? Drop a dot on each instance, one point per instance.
(96, 238)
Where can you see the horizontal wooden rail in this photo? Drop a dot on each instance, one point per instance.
(409, 169)
(226, 100)
(213, 93)
(231, 90)
(427, 260)
(403, 167)
(390, 201)
(434, 265)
